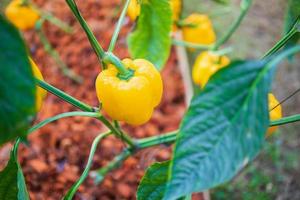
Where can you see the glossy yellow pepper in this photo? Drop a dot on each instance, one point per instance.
(275, 113)
(130, 100)
(206, 64)
(22, 16)
(133, 10)
(40, 93)
(199, 30)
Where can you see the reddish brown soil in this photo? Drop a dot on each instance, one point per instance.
(58, 152)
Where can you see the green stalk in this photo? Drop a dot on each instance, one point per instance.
(285, 120)
(281, 42)
(83, 176)
(159, 139)
(124, 74)
(53, 53)
(95, 44)
(66, 97)
(118, 27)
(62, 115)
(245, 5)
(118, 133)
(99, 175)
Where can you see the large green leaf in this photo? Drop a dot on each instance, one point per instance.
(151, 39)
(12, 183)
(17, 86)
(223, 129)
(153, 184)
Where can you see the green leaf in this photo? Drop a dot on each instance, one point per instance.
(292, 13)
(12, 183)
(224, 2)
(223, 129)
(151, 39)
(153, 184)
(17, 86)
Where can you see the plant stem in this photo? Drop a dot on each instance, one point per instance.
(95, 44)
(285, 120)
(83, 176)
(115, 163)
(64, 96)
(191, 45)
(52, 19)
(124, 73)
(245, 5)
(63, 115)
(118, 27)
(281, 42)
(53, 53)
(156, 140)
(124, 137)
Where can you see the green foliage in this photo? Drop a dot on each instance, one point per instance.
(17, 86)
(12, 183)
(292, 13)
(151, 39)
(153, 184)
(223, 129)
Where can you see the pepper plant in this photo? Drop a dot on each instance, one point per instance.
(223, 129)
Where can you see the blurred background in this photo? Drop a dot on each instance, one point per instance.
(58, 152)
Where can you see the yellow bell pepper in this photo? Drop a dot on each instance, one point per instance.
(199, 30)
(40, 93)
(130, 100)
(133, 10)
(22, 16)
(176, 6)
(206, 64)
(274, 113)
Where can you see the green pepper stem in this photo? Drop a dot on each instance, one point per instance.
(124, 74)
(64, 96)
(123, 136)
(245, 5)
(95, 44)
(99, 174)
(118, 27)
(83, 176)
(281, 42)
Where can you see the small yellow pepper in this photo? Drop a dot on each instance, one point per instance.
(275, 113)
(176, 6)
(40, 93)
(133, 10)
(206, 64)
(22, 16)
(130, 100)
(198, 30)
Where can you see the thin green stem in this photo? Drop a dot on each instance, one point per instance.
(64, 96)
(63, 115)
(224, 51)
(118, 27)
(99, 175)
(245, 5)
(53, 53)
(52, 19)
(124, 137)
(285, 120)
(281, 43)
(159, 139)
(87, 168)
(95, 44)
(191, 45)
